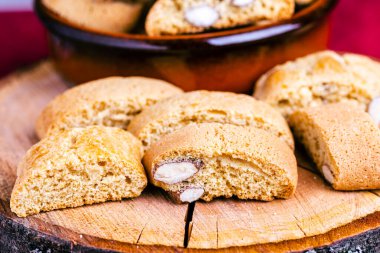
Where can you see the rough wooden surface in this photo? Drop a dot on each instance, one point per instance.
(315, 209)
(139, 224)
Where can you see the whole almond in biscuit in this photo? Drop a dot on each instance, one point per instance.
(227, 160)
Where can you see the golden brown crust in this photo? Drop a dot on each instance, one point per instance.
(212, 140)
(168, 16)
(320, 78)
(103, 163)
(346, 139)
(111, 101)
(178, 111)
(100, 15)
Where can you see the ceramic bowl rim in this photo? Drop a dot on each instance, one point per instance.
(302, 21)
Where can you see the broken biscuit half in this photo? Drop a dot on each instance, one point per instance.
(211, 160)
(76, 167)
(111, 101)
(344, 143)
(197, 107)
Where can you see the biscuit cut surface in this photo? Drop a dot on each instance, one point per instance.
(344, 143)
(112, 101)
(170, 17)
(320, 78)
(195, 107)
(228, 160)
(76, 167)
(100, 15)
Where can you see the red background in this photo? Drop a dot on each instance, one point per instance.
(355, 27)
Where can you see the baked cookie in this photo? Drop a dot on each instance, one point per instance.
(320, 78)
(100, 15)
(78, 166)
(195, 107)
(112, 101)
(172, 17)
(211, 160)
(344, 143)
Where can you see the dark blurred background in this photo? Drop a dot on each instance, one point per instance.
(355, 27)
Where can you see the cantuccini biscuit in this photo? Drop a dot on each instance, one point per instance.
(320, 78)
(195, 107)
(112, 101)
(210, 160)
(101, 15)
(344, 143)
(193, 16)
(78, 166)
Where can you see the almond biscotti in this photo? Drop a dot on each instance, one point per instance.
(195, 107)
(344, 143)
(172, 17)
(211, 160)
(78, 166)
(320, 78)
(101, 15)
(112, 101)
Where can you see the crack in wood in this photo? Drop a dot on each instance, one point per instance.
(188, 224)
(299, 226)
(142, 230)
(318, 218)
(217, 232)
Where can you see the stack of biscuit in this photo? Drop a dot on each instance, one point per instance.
(198, 145)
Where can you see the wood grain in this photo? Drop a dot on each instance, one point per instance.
(314, 209)
(151, 222)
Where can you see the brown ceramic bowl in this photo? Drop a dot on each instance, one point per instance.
(228, 60)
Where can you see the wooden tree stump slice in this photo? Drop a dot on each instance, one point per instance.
(315, 217)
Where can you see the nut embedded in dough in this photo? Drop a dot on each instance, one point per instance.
(201, 16)
(246, 162)
(374, 110)
(191, 194)
(175, 172)
(327, 174)
(242, 3)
